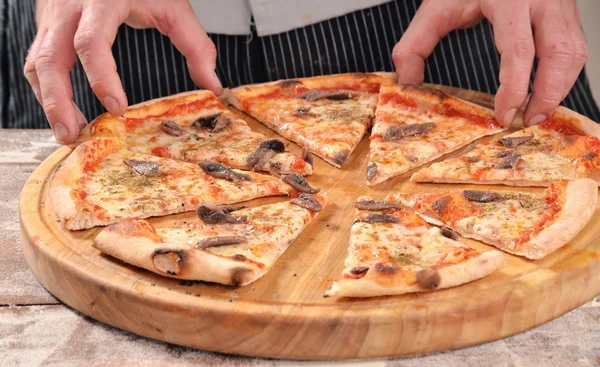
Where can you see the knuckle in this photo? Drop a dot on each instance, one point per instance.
(97, 84)
(549, 97)
(29, 67)
(561, 51)
(400, 53)
(167, 22)
(523, 48)
(582, 52)
(550, 101)
(46, 57)
(82, 41)
(52, 109)
(205, 51)
(517, 81)
(209, 49)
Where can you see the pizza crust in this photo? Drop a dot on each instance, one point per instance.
(577, 121)
(136, 242)
(109, 125)
(161, 105)
(581, 203)
(105, 125)
(433, 96)
(375, 284)
(232, 96)
(63, 197)
(423, 177)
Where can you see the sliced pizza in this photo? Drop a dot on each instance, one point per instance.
(328, 115)
(100, 183)
(196, 127)
(222, 244)
(415, 125)
(524, 224)
(565, 147)
(393, 251)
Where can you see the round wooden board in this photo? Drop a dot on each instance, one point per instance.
(284, 314)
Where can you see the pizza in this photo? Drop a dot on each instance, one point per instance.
(415, 125)
(101, 183)
(221, 244)
(196, 127)
(524, 224)
(393, 251)
(190, 153)
(328, 115)
(564, 147)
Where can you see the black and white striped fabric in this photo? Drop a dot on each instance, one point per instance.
(150, 67)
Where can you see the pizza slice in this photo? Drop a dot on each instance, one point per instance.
(328, 115)
(415, 125)
(101, 183)
(565, 147)
(196, 127)
(524, 224)
(222, 244)
(393, 251)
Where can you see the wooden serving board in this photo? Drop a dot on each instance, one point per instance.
(284, 314)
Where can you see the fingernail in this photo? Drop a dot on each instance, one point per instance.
(509, 117)
(111, 105)
(536, 119)
(60, 132)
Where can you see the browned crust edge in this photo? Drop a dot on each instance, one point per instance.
(449, 276)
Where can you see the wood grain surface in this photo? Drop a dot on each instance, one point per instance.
(284, 314)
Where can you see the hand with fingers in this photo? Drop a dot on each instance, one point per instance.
(87, 29)
(523, 30)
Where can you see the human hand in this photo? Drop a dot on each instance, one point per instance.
(523, 30)
(87, 29)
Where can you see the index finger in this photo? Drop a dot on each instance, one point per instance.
(514, 40)
(181, 25)
(431, 23)
(93, 40)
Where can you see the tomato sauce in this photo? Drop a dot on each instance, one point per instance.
(298, 164)
(553, 199)
(297, 89)
(479, 173)
(216, 191)
(397, 99)
(92, 158)
(132, 123)
(449, 111)
(161, 152)
(559, 126)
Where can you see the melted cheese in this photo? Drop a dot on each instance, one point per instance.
(179, 187)
(398, 156)
(269, 230)
(411, 245)
(231, 146)
(327, 129)
(544, 158)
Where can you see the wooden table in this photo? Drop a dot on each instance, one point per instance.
(35, 328)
